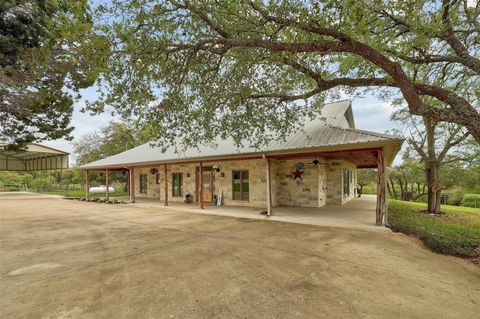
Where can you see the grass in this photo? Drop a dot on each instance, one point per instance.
(456, 232)
(369, 189)
(81, 193)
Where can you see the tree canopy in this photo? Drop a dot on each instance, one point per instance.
(114, 138)
(253, 69)
(41, 68)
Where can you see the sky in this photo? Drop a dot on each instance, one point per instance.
(370, 114)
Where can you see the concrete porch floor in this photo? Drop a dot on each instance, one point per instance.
(358, 213)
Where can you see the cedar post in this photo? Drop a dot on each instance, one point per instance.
(200, 187)
(107, 184)
(381, 194)
(128, 182)
(132, 184)
(86, 183)
(269, 187)
(166, 184)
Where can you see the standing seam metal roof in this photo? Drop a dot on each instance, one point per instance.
(316, 133)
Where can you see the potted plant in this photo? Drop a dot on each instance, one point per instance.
(188, 198)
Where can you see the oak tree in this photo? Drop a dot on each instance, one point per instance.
(252, 70)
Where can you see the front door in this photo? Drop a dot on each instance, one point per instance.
(207, 187)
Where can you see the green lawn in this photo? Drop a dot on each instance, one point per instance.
(457, 232)
(81, 193)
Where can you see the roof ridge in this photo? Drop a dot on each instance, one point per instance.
(377, 134)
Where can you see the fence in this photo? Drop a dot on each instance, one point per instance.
(471, 200)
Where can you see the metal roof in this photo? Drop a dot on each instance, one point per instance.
(33, 157)
(315, 134)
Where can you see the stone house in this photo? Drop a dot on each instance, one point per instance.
(313, 167)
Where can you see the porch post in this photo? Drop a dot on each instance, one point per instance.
(86, 183)
(128, 183)
(131, 173)
(200, 187)
(166, 184)
(269, 187)
(381, 199)
(107, 184)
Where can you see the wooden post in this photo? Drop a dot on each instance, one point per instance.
(200, 187)
(165, 170)
(132, 184)
(381, 199)
(128, 182)
(269, 187)
(107, 184)
(86, 183)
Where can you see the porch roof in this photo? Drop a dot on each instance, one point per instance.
(330, 135)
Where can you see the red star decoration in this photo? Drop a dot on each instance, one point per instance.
(297, 174)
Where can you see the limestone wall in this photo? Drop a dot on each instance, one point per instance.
(257, 182)
(298, 192)
(335, 181)
(321, 184)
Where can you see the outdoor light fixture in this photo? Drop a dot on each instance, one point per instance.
(188, 174)
(315, 162)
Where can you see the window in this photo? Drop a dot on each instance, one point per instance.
(347, 178)
(143, 183)
(240, 185)
(177, 184)
(157, 178)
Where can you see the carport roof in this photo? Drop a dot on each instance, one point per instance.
(31, 151)
(32, 157)
(318, 134)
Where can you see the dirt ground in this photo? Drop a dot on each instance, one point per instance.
(69, 259)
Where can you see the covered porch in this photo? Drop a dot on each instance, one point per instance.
(271, 187)
(358, 213)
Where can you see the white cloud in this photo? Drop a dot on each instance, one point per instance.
(374, 116)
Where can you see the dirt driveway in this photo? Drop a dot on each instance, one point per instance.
(66, 259)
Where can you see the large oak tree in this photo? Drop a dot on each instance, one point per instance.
(200, 69)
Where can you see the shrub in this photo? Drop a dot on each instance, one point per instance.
(455, 196)
(455, 233)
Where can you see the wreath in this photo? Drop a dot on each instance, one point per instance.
(153, 170)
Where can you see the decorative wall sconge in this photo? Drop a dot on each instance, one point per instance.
(188, 174)
(222, 174)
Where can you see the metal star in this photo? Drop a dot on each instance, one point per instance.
(297, 174)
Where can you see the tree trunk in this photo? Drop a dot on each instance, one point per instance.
(389, 190)
(393, 188)
(434, 189)
(432, 166)
(402, 191)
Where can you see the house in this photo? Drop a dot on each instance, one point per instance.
(313, 167)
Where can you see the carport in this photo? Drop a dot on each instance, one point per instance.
(34, 157)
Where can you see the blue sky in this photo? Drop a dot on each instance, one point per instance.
(370, 114)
